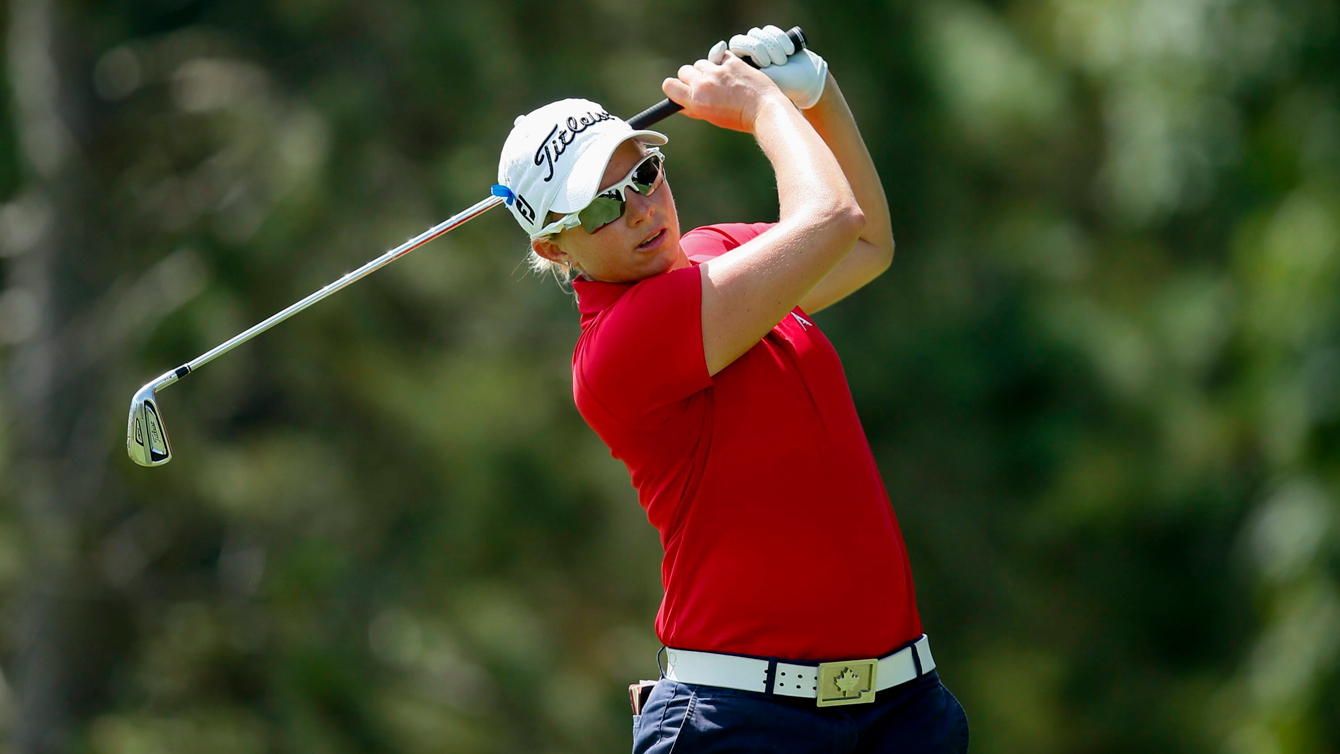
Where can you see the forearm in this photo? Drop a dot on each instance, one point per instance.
(835, 124)
(819, 218)
(811, 182)
(746, 292)
(818, 221)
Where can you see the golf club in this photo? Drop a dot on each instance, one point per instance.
(146, 436)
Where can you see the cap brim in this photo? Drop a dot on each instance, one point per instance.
(584, 180)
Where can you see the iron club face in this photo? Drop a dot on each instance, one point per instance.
(146, 437)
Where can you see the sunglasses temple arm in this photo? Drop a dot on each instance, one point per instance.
(665, 108)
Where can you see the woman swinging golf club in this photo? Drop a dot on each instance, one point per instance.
(787, 585)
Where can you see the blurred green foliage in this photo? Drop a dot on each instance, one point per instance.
(1102, 378)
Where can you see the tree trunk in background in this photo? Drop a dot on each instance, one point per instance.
(73, 626)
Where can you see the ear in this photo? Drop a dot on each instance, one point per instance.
(549, 250)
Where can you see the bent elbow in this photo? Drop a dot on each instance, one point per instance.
(838, 225)
(881, 254)
(851, 220)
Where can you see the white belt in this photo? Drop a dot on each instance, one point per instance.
(831, 683)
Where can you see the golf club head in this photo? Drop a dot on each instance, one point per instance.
(146, 437)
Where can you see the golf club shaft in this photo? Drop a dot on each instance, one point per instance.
(349, 278)
(648, 117)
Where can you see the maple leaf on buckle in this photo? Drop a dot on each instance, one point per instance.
(847, 681)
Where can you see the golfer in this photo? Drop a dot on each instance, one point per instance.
(789, 619)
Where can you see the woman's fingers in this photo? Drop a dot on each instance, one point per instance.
(743, 44)
(681, 89)
(779, 45)
(677, 91)
(718, 52)
(725, 94)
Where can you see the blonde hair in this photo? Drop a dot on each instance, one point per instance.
(563, 273)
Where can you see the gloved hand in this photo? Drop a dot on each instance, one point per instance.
(800, 77)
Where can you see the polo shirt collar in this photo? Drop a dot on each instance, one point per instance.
(594, 297)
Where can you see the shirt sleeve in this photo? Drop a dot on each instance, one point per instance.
(646, 351)
(711, 241)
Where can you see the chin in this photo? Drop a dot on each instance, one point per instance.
(665, 261)
(639, 266)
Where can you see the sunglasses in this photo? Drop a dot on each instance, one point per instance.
(645, 177)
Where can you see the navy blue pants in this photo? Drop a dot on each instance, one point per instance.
(918, 717)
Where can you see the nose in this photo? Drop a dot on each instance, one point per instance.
(637, 208)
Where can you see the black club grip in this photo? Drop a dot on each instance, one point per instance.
(665, 108)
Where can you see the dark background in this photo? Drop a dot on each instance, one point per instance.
(1102, 378)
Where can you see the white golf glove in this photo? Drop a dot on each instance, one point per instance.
(800, 77)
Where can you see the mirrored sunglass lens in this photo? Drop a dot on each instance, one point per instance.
(602, 211)
(645, 176)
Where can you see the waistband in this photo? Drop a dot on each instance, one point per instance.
(851, 681)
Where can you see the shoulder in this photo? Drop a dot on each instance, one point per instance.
(710, 241)
(643, 311)
(645, 351)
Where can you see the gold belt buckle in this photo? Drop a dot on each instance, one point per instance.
(847, 682)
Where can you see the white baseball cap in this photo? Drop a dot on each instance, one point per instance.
(555, 157)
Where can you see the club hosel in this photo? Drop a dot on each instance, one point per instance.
(169, 377)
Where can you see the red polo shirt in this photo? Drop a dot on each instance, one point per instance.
(778, 533)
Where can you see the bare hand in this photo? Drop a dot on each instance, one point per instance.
(728, 95)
